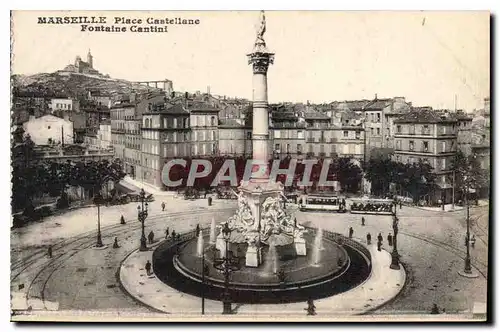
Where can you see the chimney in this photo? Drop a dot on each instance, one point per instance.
(376, 97)
(208, 90)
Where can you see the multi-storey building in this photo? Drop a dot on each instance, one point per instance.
(165, 135)
(117, 115)
(204, 123)
(430, 137)
(235, 138)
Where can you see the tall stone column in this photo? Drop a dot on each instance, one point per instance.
(260, 59)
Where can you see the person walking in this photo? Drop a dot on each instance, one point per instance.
(380, 238)
(151, 237)
(148, 268)
(362, 221)
(197, 230)
(173, 235)
(311, 308)
(166, 233)
(351, 232)
(400, 205)
(389, 239)
(163, 206)
(122, 220)
(115, 244)
(49, 251)
(368, 239)
(379, 245)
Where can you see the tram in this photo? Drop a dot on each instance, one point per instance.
(371, 206)
(320, 202)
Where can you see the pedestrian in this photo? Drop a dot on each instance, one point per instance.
(148, 268)
(473, 241)
(368, 239)
(115, 244)
(311, 308)
(166, 233)
(197, 230)
(389, 239)
(400, 205)
(49, 251)
(379, 245)
(173, 235)
(163, 206)
(178, 237)
(122, 220)
(362, 221)
(380, 238)
(209, 201)
(435, 309)
(351, 232)
(151, 237)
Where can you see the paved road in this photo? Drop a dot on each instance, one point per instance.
(80, 277)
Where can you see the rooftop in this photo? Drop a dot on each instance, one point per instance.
(425, 116)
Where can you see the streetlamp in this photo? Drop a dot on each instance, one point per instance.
(142, 214)
(394, 253)
(97, 201)
(227, 264)
(467, 268)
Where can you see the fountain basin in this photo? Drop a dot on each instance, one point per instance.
(178, 266)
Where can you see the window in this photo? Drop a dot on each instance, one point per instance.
(398, 145)
(322, 136)
(425, 130)
(299, 148)
(288, 148)
(346, 133)
(213, 135)
(212, 121)
(300, 134)
(411, 146)
(412, 129)
(175, 123)
(378, 131)
(443, 164)
(358, 135)
(378, 117)
(322, 148)
(443, 146)
(277, 147)
(425, 146)
(372, 130)
(398, 129)
(249, 135)
(277, 134)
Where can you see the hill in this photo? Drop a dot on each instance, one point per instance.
(63, 84)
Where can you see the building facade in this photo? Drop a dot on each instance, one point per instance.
(49, 128)
(428, 137)
(204, 123)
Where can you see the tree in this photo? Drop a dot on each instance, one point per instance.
(468, 173)
(348, 174)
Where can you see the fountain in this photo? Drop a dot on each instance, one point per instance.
(199, 246)
(318, 247)
(212, 232)
(261, 226)
(271, 262)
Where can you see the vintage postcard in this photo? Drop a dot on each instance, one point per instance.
(250, 166)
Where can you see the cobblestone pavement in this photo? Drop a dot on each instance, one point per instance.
(431, 245)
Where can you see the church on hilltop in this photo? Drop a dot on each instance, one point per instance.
(83, 67)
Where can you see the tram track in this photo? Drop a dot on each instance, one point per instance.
(72, 247)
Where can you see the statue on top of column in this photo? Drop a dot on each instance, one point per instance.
(262, 28)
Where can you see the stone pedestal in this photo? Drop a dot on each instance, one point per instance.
(253, 257)
(300, 246)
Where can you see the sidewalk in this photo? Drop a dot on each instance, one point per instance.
(138, 185)
(382, 286)
(450, 208)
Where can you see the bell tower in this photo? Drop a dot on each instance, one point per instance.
(90, 59)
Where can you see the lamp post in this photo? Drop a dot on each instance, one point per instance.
(467, 268)
(227, 264)
(395, 254)
(142, 214)
(97, 201)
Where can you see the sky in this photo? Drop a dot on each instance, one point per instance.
(321, 56)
